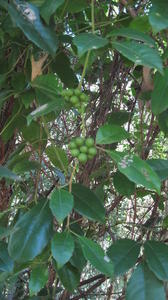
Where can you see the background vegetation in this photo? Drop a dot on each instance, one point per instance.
(83, 149)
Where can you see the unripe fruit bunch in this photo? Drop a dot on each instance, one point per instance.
(83, 149)
(76, 98)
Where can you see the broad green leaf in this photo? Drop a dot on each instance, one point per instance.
(28, 97)
(87, 203)
(58, 157)
(156, 255)
(118, 117)
(143, 285)
(159, 101)
(35, 135)
(137, 170)
(123, 185)
(62, 247)
(69, 276)
(160, 166)
(47, 89)
(75, 6)
(132, 34)
(78, 260)
(4, 95)
(124, 254)
(140, 23)
(61, 66)
(38, 278)
(49, 7)
(31, 233)
(61, 204)
(26, 17)
(139, 53)
(108, 134)
(6, 263)
(96, 256)
(44, 109)
(163, 122)
(88, 41)
(25, 166)
(158, 15)
(7, 174)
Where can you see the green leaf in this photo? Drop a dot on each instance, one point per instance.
(108, 134)
(6, 173)
(78, 260)
(58, 157)
(35, 135)
(61, 204)
(158, 16)
(47, 89)
(160, 166)
(143, 285)
(44, 109)
(61, 66)
(88, 41)
(49, 7)
(137, 170)
(156, 255)
(118, 117)
(96, 256)
(159, 100)
(31, 233)
(123, 185)
(26, 17)
(6, 263)
(163, 121)
(69, 276)
(62, 247)
(140, 54)
(75, 6)
(124, 254)
(38, 279)
(132, 34)
(87, 203)
(25, 166)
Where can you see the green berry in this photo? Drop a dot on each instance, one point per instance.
(92, 151)
(83, 98)
(77, 92)
(79, 141)
(82, 157)
(69, 92)
(75, 152)
(72, 145)
(77, 105)
(74, 100)
(89, 142)
(83, 149)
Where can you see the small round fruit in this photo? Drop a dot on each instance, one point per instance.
(77, 92)
(83, 149)
(75, 152)
(82, 157)
(72, 145)
(89, 142)
(69, 92)
(92, 151)
(83, 98)
(79, 141)
(74, 100)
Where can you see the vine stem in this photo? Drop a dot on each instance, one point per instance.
(70, 189)
(92, 16)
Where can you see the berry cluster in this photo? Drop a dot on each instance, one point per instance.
(82, 148)
(76, 98)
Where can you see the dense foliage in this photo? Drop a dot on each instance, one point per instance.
(83, 149)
